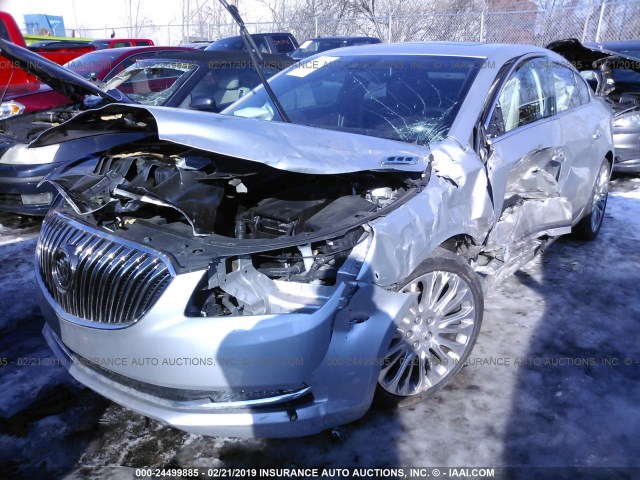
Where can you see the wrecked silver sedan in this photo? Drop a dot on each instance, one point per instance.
(239, 274)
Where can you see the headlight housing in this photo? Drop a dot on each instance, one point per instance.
(298, 279)
(21, 154)
(631, 119)
(10, 109)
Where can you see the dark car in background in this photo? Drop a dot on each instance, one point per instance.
(276, 43)
(96, 65)
(613, 71)
(104, 64)
(322, 44)
(207, 81)
(197, 80)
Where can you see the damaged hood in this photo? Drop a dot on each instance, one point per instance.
(284, 146)
(64, 81)
(590, 58)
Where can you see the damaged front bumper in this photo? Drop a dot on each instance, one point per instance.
(252, 376)
(20, 189)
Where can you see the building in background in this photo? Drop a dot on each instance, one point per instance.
(43, 24)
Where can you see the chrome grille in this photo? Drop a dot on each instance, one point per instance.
(93, 276)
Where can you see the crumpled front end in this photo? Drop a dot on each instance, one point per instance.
(217, 295)
(267, 376)
(125, 322)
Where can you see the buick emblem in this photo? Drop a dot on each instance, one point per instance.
(64, 266)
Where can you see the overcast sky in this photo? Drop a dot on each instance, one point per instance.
(111, 14)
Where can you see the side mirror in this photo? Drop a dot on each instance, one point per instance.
(482, 142)
(495, 126)
(203, 103)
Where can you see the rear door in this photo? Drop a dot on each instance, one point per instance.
(580, 130)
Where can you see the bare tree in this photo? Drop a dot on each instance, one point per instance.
(134, 20)
(205, 20)
(398, 20)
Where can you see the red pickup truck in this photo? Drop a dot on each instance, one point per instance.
(59, 52)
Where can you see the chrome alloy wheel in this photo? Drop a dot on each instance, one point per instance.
(600, 194)
(433, 338)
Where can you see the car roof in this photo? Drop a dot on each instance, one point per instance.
(495, 54)
(466, 49)
(254, 35)
(126, 51)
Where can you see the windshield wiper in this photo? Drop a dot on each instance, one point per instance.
(256, 57)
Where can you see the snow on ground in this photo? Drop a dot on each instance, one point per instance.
(553, 381)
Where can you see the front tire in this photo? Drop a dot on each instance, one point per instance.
(589, 226)
(435, 338)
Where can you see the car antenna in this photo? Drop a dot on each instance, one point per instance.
(256, 57)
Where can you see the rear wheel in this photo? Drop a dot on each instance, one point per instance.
(589, 226)
(438, 332)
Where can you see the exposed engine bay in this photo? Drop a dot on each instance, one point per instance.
(26, 127)
(283, 225)
(168, 184)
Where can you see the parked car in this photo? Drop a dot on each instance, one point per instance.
(200, 45)
(322, 44)
(104, 64)
(182, 78)
(61, 51)
(96, 65)
(101, 44)
(238, 274)
(614, 70)
(57, 52)
(276, 43)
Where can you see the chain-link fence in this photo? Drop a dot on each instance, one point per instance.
(592, 21)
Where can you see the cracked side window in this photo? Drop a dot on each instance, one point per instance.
(566, 91)
(526, 97)
(151, 82)
(583, 89)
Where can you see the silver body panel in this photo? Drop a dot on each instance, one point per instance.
(550, 165)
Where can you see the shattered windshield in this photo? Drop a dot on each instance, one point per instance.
(412, 99)
(152, 82)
